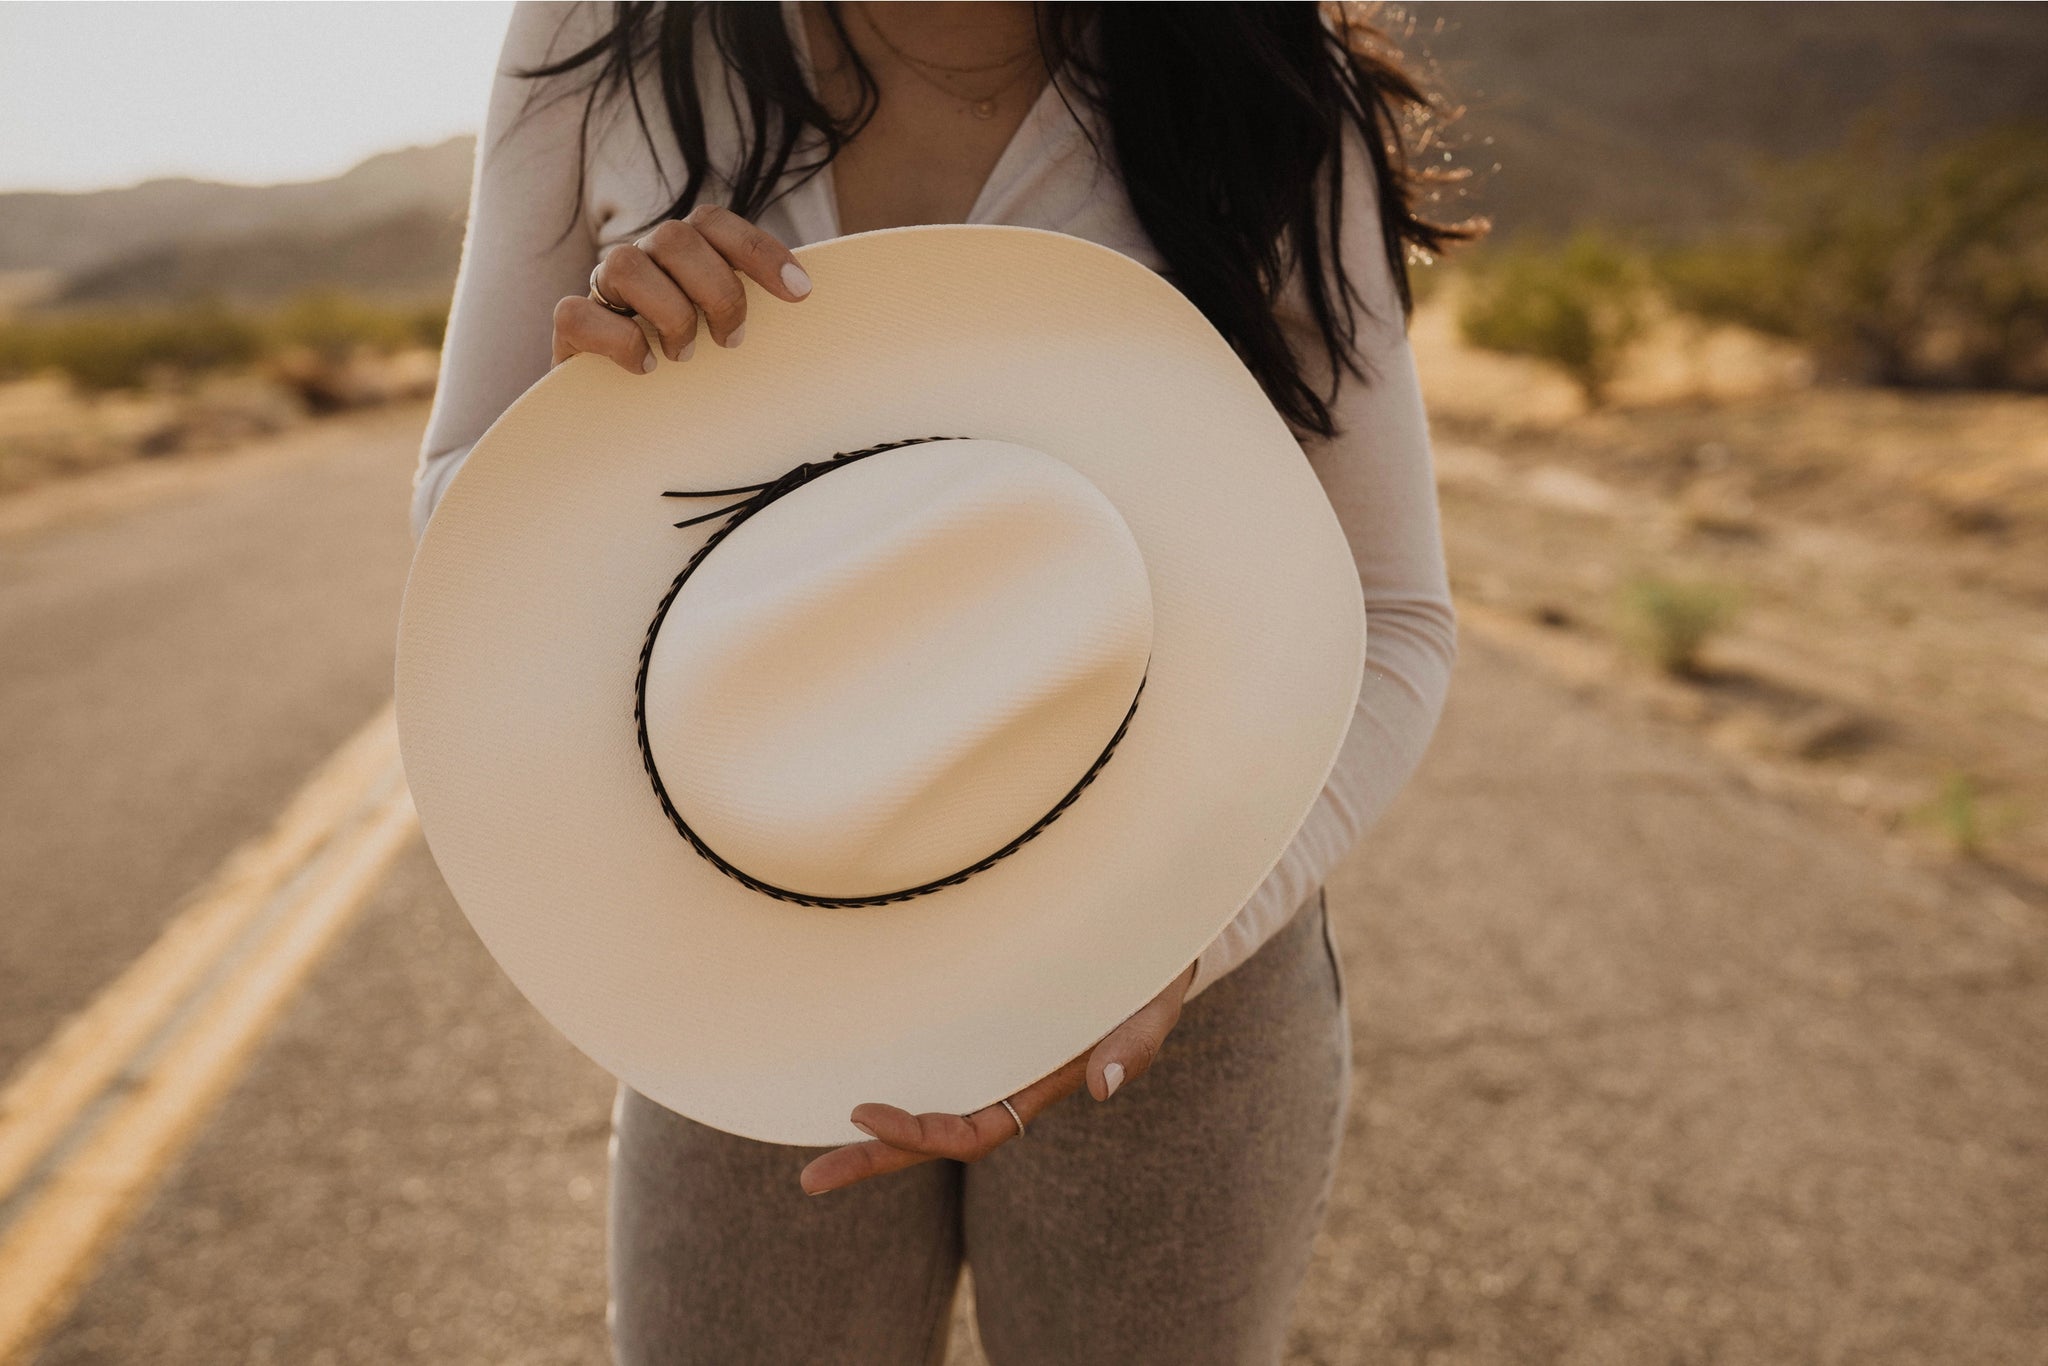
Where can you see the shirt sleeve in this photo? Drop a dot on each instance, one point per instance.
(1378, 475)
(516, 261)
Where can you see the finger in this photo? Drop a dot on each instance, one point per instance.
(753, 251)
(1035, 1099)
(854, 1162)
(970, 1137)
(632, 277)
(583, 324)
(991, 1125)
(1128, 1051)
(704, 275)
(964, 1138)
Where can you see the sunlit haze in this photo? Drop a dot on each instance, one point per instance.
(95, 95)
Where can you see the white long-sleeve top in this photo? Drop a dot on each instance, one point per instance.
(1376, 472)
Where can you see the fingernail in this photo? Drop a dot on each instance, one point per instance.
(689, 350)
(1112, 1077)
(647, 366)
(865, 1129)
(733, 337)
(794, 279)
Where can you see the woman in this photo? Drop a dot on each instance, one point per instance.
(1248, 153)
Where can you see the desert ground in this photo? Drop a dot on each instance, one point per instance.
(1885, 553)
(1692, 1023)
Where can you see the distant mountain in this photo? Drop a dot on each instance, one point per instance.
(409, 256)
(1647, 114)
(72, 232)
(1635, 114)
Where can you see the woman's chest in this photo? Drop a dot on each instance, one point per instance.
(925, 154)
(917, 163)
(1037, 167)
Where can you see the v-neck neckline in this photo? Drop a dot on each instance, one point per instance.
(827, 186)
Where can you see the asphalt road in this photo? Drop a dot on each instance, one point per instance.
(179, 647)
(1652, 1068)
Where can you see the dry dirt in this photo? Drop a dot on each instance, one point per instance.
(1889, 552)
(1651, 1066)
(51, 429)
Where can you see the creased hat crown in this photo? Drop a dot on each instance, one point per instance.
(888, 674)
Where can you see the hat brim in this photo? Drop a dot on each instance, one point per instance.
(533, 584)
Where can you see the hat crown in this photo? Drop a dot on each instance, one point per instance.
(887, 674)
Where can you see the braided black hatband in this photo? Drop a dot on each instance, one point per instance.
(759, 496)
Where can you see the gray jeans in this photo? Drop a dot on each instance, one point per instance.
(1172, 1223)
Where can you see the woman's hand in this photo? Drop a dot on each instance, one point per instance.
(669, 275)
(904, 1140)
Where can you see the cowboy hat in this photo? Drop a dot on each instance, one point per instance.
(887, 708)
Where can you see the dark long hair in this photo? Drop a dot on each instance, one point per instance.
(1224, 119)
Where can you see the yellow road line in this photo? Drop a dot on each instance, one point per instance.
(97, 1178)
(47, 1094)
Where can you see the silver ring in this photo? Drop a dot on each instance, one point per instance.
(1015, 1116)
(621, 309)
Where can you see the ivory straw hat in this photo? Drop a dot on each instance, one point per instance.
(888, 707)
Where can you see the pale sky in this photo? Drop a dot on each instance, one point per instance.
(100, 93)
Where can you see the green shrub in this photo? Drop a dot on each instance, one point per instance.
(1957, 811)
(333, 324)
(101, 349)
(1969, 819)
(1669, 622)
(1577, 306)
(1895, 269)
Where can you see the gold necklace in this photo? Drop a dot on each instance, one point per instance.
(983, 105)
